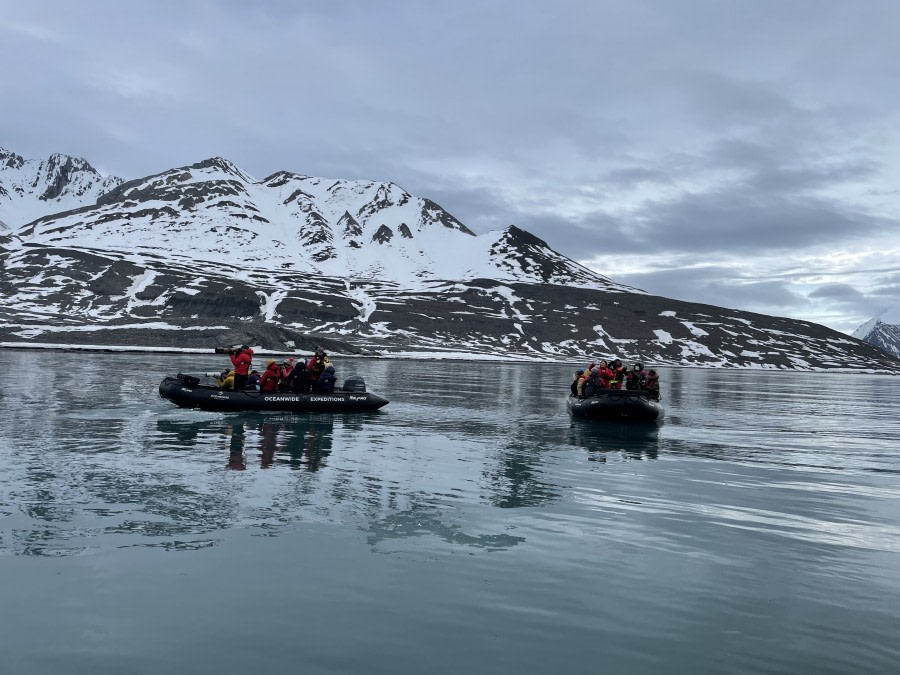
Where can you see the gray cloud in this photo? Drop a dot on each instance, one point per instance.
(741, 220)
(723, 286)
(843, 292)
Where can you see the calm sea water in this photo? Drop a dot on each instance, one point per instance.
(469, 527)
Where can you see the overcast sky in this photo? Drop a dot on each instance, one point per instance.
(743, 153)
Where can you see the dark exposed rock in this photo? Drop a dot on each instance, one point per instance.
(433, 213)
(297, 193)
(278, 179)
(115, 279)
(383, 235)
(349, 226)
(382, 200)
(11, 159)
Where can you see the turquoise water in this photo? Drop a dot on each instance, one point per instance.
(469, 526)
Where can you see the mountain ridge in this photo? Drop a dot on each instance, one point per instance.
(206, 254)
(338, 223)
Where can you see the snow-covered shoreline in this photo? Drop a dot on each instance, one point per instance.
(419, 356)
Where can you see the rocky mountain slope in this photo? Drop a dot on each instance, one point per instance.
(205, 254)
(883, 331)
(32, 188)
(212, 212)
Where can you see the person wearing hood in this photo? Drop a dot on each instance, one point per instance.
(594, 383)
(269, 379)
(298, 382)
(326, 381)
(241, 360)
(634, 380)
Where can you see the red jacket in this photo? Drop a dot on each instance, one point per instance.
(618, 376)
(269, 379)
(241, 361)
(605, 375)
(317, 366)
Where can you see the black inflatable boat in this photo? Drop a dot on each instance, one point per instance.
(186, 391)
(617, 405)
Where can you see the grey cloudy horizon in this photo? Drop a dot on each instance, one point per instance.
(744, 154)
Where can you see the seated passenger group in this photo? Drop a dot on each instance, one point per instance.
(315, 376)
(611, 375)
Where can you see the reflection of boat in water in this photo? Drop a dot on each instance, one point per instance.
(634, 441)
(297, 441)
(187, 392)
(617, 405)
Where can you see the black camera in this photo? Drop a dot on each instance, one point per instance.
(225, 350)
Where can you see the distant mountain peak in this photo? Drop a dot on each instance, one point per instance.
(883, 330)
(520, 237)
(32, 188)
(11, 159)
(225, 165)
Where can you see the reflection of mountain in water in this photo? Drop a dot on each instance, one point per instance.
(514, 479)
(416, 523)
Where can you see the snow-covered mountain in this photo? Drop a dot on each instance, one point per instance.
(31, 188)
(214, 212)
(883, 331)
(205, 254)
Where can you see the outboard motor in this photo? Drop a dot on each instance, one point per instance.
(355, 384)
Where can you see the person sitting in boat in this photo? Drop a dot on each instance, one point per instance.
(241, 360)
(606, 373)
(593, 383)
(325, 383)
(618, 374)
(574, 387)
(634, 380)
(284, 374)
(651, 384)
(579, 389)
(317, 365)
(225, 379)
(269, 379)
(299, 382)
(252, 381)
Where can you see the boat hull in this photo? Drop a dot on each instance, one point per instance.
(209, 397)
(617, 405)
